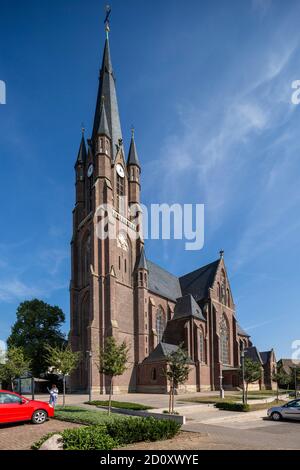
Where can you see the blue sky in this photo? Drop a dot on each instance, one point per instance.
(207, 85)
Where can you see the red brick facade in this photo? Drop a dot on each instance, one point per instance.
(110, 289)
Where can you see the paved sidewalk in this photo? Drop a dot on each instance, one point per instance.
(22, 436)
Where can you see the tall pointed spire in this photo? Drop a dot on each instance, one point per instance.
(142, 263)
(103, 126)
(107, 89)
(133, 158)
(82, 151)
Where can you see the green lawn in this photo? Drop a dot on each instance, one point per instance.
(120, 404)
(76, 414)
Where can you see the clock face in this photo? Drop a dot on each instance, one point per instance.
(90, 170)
(120, 170)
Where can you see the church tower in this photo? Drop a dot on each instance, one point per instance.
(106, 290)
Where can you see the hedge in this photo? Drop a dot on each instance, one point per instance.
(231, 406)
(90, 438)
(142, 429)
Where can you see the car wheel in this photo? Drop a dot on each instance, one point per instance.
(276, 416)
(39, 417)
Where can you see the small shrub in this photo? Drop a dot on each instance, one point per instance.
(90, 438)
(231, 406)
(166, 412)
(142, 429)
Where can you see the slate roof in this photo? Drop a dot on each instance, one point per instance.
(186, 306)
(103, 126)
(241, 332)
(81, 158)
(142, 263)
(265, 356)
(161, 351)
(198, 282)
(133, 158)
(288, 364)
(162, 282)
(107, 89)
(253, 353)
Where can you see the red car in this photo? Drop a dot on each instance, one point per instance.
(14, 407)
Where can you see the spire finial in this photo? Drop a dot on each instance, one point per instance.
(221, 254)
(106, 21)
(132, 131)
(82, 129)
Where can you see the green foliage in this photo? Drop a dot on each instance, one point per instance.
(119, 404)
(141, 429)
(177, 372)
(38, 444)
(38, 324)
(61, 359)
(112, 361)
(252, 371)
(231, 406)
(15, 366)
(76, 414)
(113, 358)
(90, 438)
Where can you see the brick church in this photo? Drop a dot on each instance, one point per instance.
(116, 290)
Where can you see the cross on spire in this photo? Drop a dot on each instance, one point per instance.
(107, 19)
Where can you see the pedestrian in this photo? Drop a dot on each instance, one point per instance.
(53, 395)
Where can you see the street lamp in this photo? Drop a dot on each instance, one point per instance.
(243, 372)
(90, 355)
(222, 393)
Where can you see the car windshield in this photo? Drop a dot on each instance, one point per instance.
(7, 398)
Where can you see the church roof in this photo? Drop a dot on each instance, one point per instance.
(107, 92)
(198, 282)
(161, 352)
(82, 152)
(186, 306)
(162, 282)
(265, 356)
(133, 158)
(253, 354)
(289, 364)
(241, 332)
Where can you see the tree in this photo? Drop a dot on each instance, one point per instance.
(252, 373)
(177, 372)
(281, 378)
(62, 361)
(38, 324)
(112, 362)
(15, 366)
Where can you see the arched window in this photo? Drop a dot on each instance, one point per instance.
(201, 346)
(224, 341)
(86, 260)
(153, 374)
(228, 298)
(121, 195)
(223, 288)
(160, 324)
(219, 292)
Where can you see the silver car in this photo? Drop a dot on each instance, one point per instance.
(290, 410)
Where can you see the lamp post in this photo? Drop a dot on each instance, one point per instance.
(295, 371)
(222, 393)
(90, 355)
(243, 372)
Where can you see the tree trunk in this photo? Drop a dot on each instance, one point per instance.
(64, 390)
(12, 385)
(277, 398)
(246, 394)
(110, 395)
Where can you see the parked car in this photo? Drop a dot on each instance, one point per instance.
(14, 408)
(290, 410)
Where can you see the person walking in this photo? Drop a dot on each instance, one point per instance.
(53, 395)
